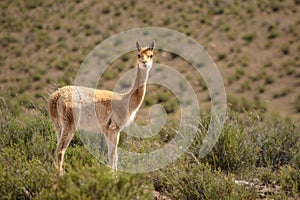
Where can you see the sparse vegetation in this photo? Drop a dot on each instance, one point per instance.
(248, 38)
(254, 45)
(239, 72)
(285, 49)
(269, 79)
(28, 171)
(282, 93)
(246, 145)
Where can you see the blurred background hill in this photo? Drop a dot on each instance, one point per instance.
(255, 45)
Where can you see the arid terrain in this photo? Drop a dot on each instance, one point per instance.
(256, 46)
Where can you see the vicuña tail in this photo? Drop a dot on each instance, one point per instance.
(52, 105)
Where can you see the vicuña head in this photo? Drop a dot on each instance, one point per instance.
(75, 107)
(145, 55)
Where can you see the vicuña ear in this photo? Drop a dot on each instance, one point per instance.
(151, 46)
(138, 45)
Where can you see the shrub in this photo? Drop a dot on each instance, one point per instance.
(222, 56)
(266, 175)
(285, 49)
(202, 84)
(259, 105)
(282, 93)
(106, 9)
(268, 64)
(251, 143)
(247, 145)
(289, 179)
(198, 181)
(269, 79)
(239, 72)
(245, 86)
(109, 75)
(273, 31)
(233, 102)
(232, 35)
(62, 65)
(277, 141)
(239, 104)
(31, 4)
(27, 167)
(6, 40)
(248, 38)
(36, 76)
(261, 89)
(98, 182)
(289, 70)
(234, 150)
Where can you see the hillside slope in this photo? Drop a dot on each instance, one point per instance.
(255, 44)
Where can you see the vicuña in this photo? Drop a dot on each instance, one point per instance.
(76, 107)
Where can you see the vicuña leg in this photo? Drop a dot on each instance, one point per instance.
(66, 136)
(58, 131)
(112, 140)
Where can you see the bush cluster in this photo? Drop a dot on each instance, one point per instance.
(28, 169)
(247, 149)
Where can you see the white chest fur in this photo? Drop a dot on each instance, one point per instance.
(130, 119)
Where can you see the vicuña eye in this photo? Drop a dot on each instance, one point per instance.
(151, 56)
(139, 56)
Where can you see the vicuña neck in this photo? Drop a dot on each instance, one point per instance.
(138, 90)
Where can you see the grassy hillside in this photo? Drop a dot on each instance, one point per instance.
(253, 159)
(255, 45)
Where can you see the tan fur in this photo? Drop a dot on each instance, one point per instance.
(90, 109)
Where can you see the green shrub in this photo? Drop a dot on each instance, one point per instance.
(233, 102)
(269, 79)
(239, 72)
(62, 65)
(98, 182)
(266, 175)
(36, 76)
(234, 150)
(248, 38)
(109, 75)
(277, 142)
(285, 49)
(232, 35)
(222, 56)
(31, 4)
(268, 64)
(202, 84)
(28, 170)
(106, 9)
(198, 181)
(289, 179)
(6, 40)
(282, 93)
(240, 104)
(248, 146)
(251, 143)
(273, 31)
(23, 177)
(245, 86)
(259, 105)
(170, 105)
